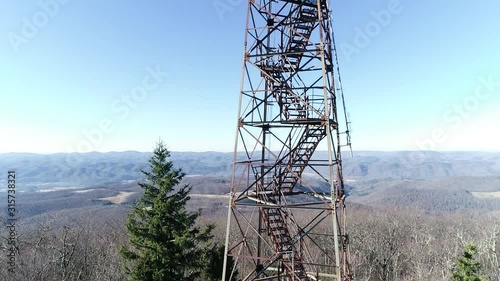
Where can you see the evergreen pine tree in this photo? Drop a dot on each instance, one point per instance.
(212, 264)
(164, 242)
(467, 269)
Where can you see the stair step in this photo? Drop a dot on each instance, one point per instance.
(303, 27)
(309, 11)
(308, 18)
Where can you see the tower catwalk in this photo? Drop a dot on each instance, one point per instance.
(286, 215)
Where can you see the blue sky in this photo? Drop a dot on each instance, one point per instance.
(417, 74)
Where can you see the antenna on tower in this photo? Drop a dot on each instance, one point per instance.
(348, 132)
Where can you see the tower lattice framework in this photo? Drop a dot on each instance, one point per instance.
(286, 215)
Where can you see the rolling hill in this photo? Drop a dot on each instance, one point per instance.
(430, 181)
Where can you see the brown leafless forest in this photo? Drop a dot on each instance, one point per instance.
(385, 244)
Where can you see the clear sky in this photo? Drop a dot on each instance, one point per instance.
(118, 75)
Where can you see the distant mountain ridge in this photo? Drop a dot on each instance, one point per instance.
(38, 171)
(421, 164)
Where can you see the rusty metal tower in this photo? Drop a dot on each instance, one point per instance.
(286, 215)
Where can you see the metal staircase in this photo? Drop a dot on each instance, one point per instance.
(303, 25)
(300, 156)
(284, 244)
(287, 108)
(293, 109)
(284, 181)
